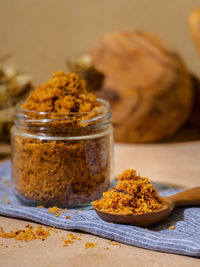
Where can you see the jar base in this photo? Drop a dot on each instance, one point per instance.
(31, 203)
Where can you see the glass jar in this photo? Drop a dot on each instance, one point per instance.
(55, 163)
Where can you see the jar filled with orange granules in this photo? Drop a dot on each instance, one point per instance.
(62, 144)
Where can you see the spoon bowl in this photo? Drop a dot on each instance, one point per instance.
(190, 197)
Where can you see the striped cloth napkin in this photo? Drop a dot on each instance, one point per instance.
(184, 239)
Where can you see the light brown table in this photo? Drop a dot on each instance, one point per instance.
(173, 163)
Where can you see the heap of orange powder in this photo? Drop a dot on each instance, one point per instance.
(132, 195)
(63, 94)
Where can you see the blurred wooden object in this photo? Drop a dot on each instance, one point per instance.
(5, 151)
(194, 23)
(147, 84)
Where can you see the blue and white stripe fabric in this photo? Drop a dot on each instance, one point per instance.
(184, 239)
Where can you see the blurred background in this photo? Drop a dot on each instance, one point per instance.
(38, 37)
(42, 35)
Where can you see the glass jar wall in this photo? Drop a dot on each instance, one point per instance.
(55, 163)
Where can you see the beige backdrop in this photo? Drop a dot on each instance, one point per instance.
(42, 34)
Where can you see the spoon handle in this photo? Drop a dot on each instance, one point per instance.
(190, 197)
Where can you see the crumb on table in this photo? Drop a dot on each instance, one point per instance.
(90, 245)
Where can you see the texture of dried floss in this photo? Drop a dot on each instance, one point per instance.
(90, 245)
(27, 234)
(61, 172)
(70, 239)
(132, 195)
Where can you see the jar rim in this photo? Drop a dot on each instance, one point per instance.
(106, 105)
(22, 114)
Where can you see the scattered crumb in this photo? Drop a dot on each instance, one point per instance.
(72, 237)
(112, 222)
(6, 199)
(40, 207)
(76, 211)
(172, 227)
(7, 183)
(55, 210)
(67, 217)
(90, 245)
(27, 234)
(29, 226)
(113, 244)
(52, 229)
(69, 240)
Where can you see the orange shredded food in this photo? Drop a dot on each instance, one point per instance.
(63, 94)
(113, 244)
(90, 245)
(27, 234)
(70, 239)
(172, 227)
(61, 172)
(132, 195)
(55, 210)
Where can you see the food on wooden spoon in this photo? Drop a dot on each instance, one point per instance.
(132, 195)
(134, 201)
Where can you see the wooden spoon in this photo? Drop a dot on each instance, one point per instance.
(190, 197)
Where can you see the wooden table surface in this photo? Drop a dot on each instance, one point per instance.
(172, 163)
